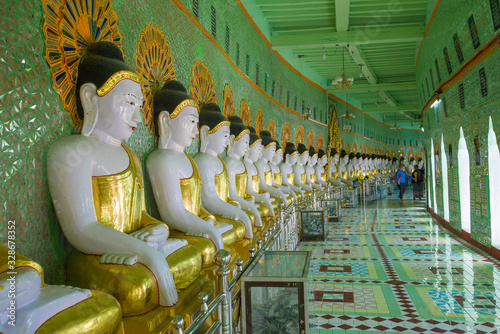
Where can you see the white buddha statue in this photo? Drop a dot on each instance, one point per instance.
(345, 168)
(254, 153)
(264, 168)
(299, 171)
(175, 177)
(214, 138)
(420, 163)
(311, 178)
(394, 165)
(28, 305)
(277, 176)
(237, 172)
(412, 165)
(335, 176)
(97, 188)
(287, 173)
(319, 169)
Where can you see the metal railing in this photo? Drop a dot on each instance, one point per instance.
(282, 235)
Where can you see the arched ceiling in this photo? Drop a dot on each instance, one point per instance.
(380, 38)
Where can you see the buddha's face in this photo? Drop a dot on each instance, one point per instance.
(184, 128)
(335, 159)
(219, 140)
(278, 157)
(323, 160)
(314, 160)
(269, 152)
(345, 160)
(292, 159)
(241, 145)
(119, 111)
(254, 152)
(303, 158)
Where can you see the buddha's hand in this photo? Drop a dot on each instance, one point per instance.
(116, 258)
(154, 233)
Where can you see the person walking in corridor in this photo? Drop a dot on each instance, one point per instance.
(401, 177)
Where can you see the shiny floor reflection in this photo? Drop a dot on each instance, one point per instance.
(389, 268)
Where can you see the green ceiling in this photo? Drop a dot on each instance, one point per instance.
(381, 35)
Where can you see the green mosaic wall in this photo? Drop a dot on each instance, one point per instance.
(464, 106)
(31, 116)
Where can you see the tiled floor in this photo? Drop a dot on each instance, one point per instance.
(389, 268)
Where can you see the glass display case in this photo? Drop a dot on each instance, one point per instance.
(351, 198)
(334, 209)
(274, 298)
(313, 221)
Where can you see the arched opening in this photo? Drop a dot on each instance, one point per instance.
(433, 177)
(494, 185)
(464, 182)
(444, 178)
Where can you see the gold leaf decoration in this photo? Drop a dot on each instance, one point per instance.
(320, 143)
(245, 115)
(155, 64)
(259, 121)
(299, 136)
(286, 136)
(310, 139)
(201, 84)
(69, 27)
(271, 127)
(229, 109)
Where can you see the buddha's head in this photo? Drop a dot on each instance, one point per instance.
(255, 146)
(269, 145)
(353, 161)
(303, 154)
(278, 157)
(175, 116)
(313, 156)
(322, 158)
(214, 129)
(334, 156)
(239, 139)
(291, 154)
(344, 157)
(109, 95)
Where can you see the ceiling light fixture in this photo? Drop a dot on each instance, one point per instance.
(347, 115)
(360, 70)
(324, 54)
(343, 81)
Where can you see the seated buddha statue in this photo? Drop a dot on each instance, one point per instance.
(321, 177)
(334, 170)
(346, 168)
(175, 177)
(41, 308)
(311, 178)
(277, 176)
(420, 163)
(99, 195)
(214, 137)
(394, 165)
(237, 172)
(262, 197)
(299, 171)
(412, 164)
(264, 168)
(287, 173)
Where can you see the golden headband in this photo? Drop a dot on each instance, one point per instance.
(182, 105)
(270, 144)
(246, 131)
(218, 126)
(255, 142)
(293, 153)
(115, 79)
(306, 151)
(279, 149)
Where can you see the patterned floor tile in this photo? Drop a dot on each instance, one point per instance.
(347, 269)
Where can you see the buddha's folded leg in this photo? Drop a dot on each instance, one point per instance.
(99, 314)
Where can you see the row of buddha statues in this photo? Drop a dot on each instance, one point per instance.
(126, 263)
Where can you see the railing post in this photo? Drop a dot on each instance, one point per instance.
(203, 299)
(222, 259)
(178, 323)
